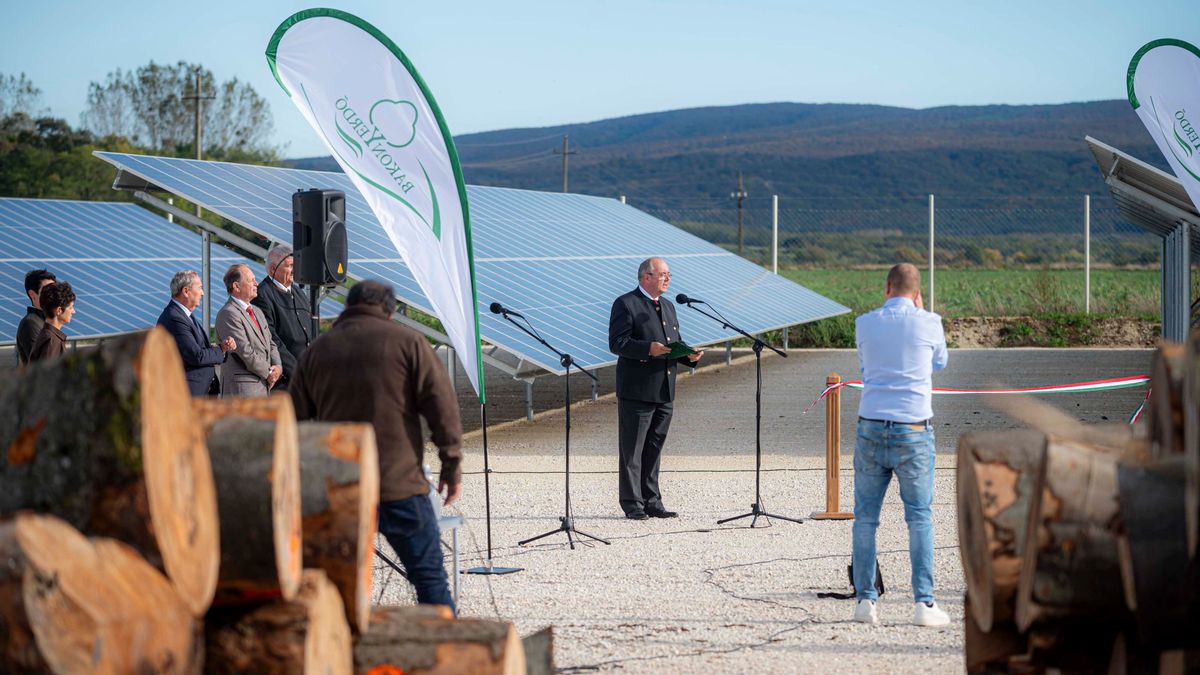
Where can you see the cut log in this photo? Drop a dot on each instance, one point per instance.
(414, 641)
(1191, 452)
(339, 486)
(70, 605)
(1166, 399)
(1156, 567)
(996, 474)
(987, 651)
(306, 635)
(105, 439)
(1069, 567)
(256, 468)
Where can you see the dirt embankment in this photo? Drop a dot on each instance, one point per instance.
(1038, 332)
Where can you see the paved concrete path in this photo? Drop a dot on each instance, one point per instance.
(686, 595)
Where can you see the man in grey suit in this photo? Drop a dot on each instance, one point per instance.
(640, 326)
(253, 367)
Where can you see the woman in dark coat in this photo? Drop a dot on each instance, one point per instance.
(58, 303)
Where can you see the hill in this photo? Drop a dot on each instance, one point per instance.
(809, 152)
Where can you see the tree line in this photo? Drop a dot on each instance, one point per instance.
(148, 110)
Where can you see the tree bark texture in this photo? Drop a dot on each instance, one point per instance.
(306, 635)
(1166, 610)
(1166, 399)
(415, 642)
(256, 467)
(1191, 451)
(105, 439)
(996, 475)
(70, 605)
(1070, 569)
(339, 494)
(989, 651)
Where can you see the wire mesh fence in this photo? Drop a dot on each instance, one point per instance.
(1069, 255)
(968, 232)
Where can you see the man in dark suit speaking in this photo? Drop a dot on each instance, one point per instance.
(641, 325)
(198, 354)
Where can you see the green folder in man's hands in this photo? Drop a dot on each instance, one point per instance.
(679, 350)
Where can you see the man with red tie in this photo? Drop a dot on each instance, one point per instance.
(254, 366)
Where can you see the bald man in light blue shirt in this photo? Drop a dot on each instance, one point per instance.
(899, 346)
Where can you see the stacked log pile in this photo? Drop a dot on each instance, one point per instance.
(142, 530)
(1078, 542)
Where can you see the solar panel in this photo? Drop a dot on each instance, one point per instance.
(559, 259)
(118, 257)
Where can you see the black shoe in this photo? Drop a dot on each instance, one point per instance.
(636, 514)
(661, 513)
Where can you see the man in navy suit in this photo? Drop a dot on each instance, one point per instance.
(641, 325)
(199, 355)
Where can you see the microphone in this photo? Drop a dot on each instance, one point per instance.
(497, 308)
(683, 299)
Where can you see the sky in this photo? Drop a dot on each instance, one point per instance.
(498, 65)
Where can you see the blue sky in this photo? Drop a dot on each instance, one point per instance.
(496, 65)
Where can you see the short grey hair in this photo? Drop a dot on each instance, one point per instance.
(182, 280)
(277, 254)
(647, 266)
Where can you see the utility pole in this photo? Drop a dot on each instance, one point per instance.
(740, 196)
(205, 238)
(565, 152)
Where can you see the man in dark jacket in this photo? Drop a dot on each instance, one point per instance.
(31, 324)
(287, 310)
(641, 325)
(198, 354)
(367, 368)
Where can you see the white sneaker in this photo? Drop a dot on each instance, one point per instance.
(930, 615)
(864, 612)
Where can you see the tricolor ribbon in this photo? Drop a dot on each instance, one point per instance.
(1093, 385)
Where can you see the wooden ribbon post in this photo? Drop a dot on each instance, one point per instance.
(833, 453)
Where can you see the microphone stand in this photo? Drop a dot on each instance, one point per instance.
(566, 521)
(487, 500)
(756, 509)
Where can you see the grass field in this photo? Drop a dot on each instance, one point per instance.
(1053, 297)
(1004, 292)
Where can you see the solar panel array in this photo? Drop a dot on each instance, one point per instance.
(559, 259)
(118, 258)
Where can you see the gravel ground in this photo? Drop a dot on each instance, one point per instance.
(688, 595)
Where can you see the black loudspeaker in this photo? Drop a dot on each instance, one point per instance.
(319, 236)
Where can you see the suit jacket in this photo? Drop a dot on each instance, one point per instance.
(198, 353)
(245, 372)
(632, 326)
(290, 323)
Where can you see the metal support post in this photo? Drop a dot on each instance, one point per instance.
(596, 389)
(622, 198)
(529, 400)
(728, 352)
(775, 234)
(929, 305)
(206, 273)
(1087, 254)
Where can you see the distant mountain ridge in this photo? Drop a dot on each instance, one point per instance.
(806, 152)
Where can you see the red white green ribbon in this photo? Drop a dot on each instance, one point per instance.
(1092, 385)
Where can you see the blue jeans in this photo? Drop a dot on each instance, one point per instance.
(410, 527)
(881, 449)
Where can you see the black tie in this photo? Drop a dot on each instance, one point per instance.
(200, 330)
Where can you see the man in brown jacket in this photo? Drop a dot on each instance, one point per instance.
(367, 368)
